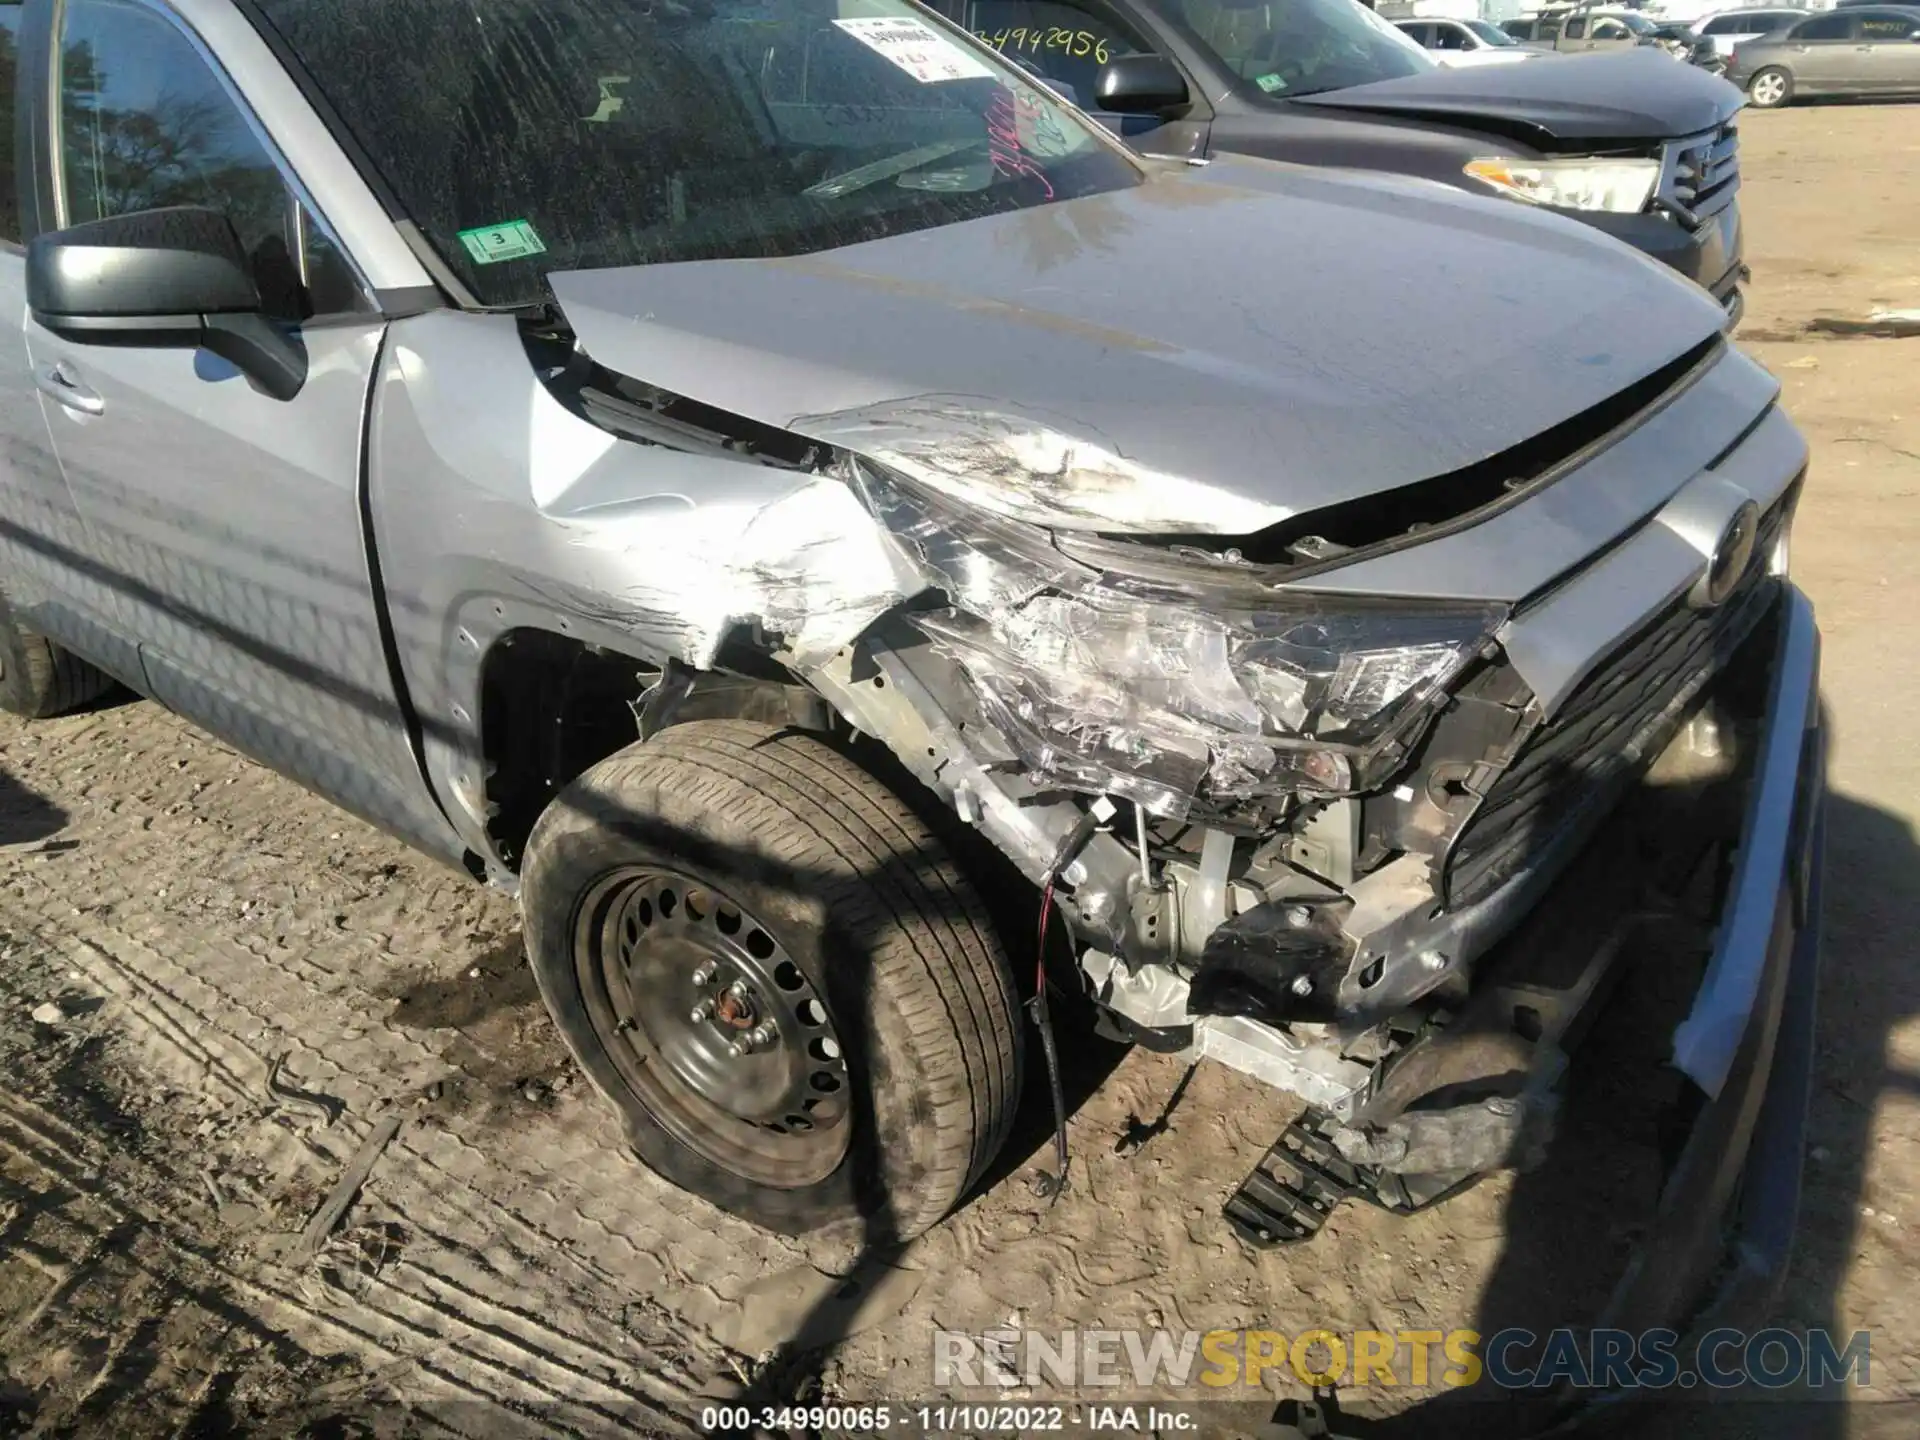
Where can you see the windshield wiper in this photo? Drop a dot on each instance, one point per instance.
(862, 176)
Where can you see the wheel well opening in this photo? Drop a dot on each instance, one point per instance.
(551, 706)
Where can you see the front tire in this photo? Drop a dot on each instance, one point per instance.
(1770, 89)
(39, 679)
(777, 975)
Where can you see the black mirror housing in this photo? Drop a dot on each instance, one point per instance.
(1141, 85)
(150, 264)
(173, 278)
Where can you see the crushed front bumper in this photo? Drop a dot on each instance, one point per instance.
(1718, 1245)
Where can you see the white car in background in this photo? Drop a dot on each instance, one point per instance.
(1466, 42)
(1727, 28)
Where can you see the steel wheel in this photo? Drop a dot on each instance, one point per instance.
(714, 1028)
(1769, 89)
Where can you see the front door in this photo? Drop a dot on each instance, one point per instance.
(47, 579)
(1825, 53)
(231, 522)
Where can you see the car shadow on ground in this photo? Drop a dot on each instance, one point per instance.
(26, 816)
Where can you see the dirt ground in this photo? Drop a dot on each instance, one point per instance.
(214, 988)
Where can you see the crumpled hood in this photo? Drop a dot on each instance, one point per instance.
(1629, 96)
(1210, 352)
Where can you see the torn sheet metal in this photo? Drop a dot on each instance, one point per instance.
(715, 544)
(816, 568)
(811, 567)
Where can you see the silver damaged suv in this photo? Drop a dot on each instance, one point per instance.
(843, 537)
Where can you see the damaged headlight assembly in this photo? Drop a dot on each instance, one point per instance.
(1211, 690)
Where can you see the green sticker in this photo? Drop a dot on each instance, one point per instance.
(1268, 83)
(514, 240)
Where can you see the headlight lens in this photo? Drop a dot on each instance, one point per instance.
(1621, 187)
(1100, 683)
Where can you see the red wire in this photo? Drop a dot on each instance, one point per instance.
(1046, 911)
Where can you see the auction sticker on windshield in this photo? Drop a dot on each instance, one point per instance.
(916, 48)
(514, 240)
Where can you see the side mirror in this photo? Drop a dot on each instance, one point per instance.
(161, 279)
(1140, 85)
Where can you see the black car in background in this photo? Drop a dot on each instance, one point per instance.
(1633, 143)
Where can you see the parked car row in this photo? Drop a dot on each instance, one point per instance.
(1861, 48)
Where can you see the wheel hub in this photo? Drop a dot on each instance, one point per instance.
(725, 1039)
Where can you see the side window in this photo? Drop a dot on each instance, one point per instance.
(1449, 37)
(1604, 29)
(1730, 25)
(1888, 27)
(9, 75)
(1065, 40)
(1576, 28)
(146, 123)
(1825, 27)
(1550, 30)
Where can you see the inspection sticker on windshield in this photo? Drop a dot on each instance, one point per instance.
(1270, 83)
(489, 244)
(916, 47)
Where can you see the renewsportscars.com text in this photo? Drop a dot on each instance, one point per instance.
(1508, 1359)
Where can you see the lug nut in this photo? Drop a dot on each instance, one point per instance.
(1303, 985)
(702, 1012)
(740, 1047)
(764, 1034)
(704, 975)
(738, 990)
(1299, 916)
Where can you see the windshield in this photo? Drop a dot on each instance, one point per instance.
(1285, 48)
(1639, 24)
(1492, 34)
(526, 137)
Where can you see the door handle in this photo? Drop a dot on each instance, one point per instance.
(53, 380)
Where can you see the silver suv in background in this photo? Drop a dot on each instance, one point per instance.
(743, 481)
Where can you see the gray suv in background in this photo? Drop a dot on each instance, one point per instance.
(750, 483)
(1629, 142)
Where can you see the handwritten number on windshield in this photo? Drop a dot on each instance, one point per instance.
(1077, 43)
(1004, 150)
